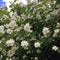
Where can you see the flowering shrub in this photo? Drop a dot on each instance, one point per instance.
(30, 32)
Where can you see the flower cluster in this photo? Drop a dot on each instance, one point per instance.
(30, 32)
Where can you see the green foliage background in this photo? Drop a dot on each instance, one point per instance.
(37, 24)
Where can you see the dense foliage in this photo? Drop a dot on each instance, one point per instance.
(30, 32)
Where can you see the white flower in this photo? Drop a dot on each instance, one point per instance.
(48, 17)
(24, 44)
(38, 16)
(7, 25)
(54, 2)
(0, 49)
(9, 31)
(13, 18)
(27, 28)
(38, 51)
(0, 41)
(11, 52)
(18, 29)
(8, 58)
(55, 48)
(56, 31)
(10, 42)
(2, 29)
(55, 12)
(24, 56)
(4, 17)
(58, 25)
(45, 30)
(37, 44)
(28, 52)
(12, 24)
(11, 14)
(36, 58)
